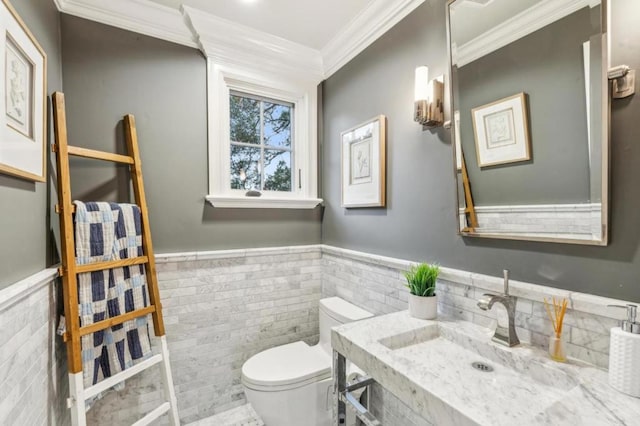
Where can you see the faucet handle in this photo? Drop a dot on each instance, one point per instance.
(506, 281)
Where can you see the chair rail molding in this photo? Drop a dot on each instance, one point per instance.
(20, 290)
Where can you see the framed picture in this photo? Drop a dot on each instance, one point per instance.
(363, 164)
(501, 131)
(23, 67)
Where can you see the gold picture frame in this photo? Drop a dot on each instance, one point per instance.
(364, 164)
(24, 108)
(501, 131)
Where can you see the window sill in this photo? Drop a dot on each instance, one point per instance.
(243, 202)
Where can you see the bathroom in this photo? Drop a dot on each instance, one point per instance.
(240, 276)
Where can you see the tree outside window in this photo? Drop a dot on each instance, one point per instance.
(261, 143)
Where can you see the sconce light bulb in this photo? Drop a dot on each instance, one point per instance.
(421, 84)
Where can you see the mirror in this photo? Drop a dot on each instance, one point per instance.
(530, 111)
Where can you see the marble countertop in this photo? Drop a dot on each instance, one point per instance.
(427, 364)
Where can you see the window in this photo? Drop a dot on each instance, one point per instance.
(262, 137)
(262, 143)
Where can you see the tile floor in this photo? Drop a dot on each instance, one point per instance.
(244, 415)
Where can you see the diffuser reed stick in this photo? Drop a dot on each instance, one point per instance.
(556, 315)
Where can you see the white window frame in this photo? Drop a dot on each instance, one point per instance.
(221, 80)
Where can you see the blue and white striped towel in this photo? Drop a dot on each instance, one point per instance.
(104, 232)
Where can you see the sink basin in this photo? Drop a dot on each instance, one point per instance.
(462, 352)
(429, 366)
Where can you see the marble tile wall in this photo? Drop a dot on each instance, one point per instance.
(220, 308)
(572, 221)
(376, 283)
(33, 374)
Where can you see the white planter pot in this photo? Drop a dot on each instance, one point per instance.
(423, 307)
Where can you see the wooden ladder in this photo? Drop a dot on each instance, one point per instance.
(469, 208)
(69, 270)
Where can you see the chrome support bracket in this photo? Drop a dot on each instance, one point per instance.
(342, 393)
(623, 80)
(361, 412)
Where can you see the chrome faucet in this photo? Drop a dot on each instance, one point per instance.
(504, 336)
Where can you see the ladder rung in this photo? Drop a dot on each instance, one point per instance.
(109, 382)
(101, 266)
(146, 420)
(99, 155)
(110, 322)
(59, 209)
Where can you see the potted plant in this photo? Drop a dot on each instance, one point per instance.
(421, 282)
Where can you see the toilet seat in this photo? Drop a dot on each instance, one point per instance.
(286, 367)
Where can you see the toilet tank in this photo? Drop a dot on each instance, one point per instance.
(335, 311)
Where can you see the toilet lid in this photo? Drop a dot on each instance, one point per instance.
(292, 364)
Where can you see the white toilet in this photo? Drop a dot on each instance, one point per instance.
(290, 385)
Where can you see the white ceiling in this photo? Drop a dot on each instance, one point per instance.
(309, 22)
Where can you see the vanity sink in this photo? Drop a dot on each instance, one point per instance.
(467, 350)
(452, 373)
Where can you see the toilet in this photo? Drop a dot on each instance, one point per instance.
(291, 385)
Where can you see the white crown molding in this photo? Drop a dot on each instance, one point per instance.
(364, 29)
(140, 16)
(240, 46)
(522, 24)
(230, 43)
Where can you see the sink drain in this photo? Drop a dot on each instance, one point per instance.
(482, 367)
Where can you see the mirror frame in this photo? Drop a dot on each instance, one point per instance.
(606, 143)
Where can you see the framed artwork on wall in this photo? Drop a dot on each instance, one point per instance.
(363, 164)
(502, 131)
(23, 66)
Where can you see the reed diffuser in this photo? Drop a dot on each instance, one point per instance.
(556, 315)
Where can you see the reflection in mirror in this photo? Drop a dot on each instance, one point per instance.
(530, 118)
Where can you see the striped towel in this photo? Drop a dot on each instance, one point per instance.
(103, 232)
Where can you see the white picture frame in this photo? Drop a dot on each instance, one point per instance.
(502, 132)
(23, 66)
(364, 164)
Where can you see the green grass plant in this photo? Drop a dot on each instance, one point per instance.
(421, 279)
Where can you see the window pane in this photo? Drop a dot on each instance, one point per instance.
(245, 167)
(277, 170)
(245, 119)
(277, 124)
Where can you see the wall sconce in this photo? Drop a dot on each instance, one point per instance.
(429, 99)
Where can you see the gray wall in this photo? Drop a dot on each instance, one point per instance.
(24, 227)
(419, 222)
(558, 172)
(110, 72)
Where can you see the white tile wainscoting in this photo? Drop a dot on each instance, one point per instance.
(376, 283)
(582, 221)
(222, 307)
(33, 366)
